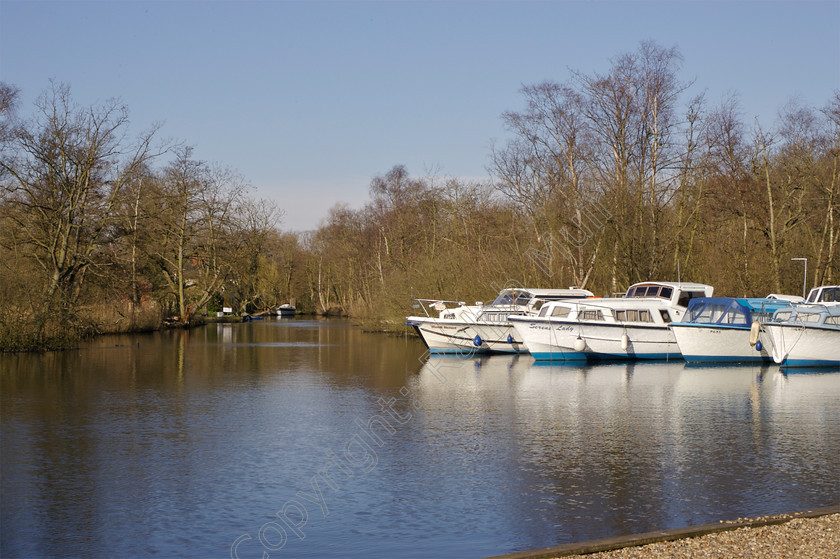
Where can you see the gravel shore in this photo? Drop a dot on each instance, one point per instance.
(812, 538)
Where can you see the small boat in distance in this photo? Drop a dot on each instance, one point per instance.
(719, 329)
(808, 334)
(461, 328)
(635, 326)
(286, 311)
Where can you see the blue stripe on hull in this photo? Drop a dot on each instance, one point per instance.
(466, 352)
(559, 356)
(726, 359)
(811, 363)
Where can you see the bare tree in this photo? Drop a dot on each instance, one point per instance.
(544, 170)
(8, 106)
(196, 224)
(65, 171)
(829, 237)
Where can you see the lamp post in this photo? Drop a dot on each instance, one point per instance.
(805, 275)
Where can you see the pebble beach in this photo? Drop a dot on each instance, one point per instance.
(813, 538)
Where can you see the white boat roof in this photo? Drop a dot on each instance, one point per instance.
(679, 285)
(783, 297)
(540, 292)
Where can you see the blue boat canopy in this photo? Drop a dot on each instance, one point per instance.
(731, 311)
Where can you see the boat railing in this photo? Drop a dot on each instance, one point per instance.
(436, 304)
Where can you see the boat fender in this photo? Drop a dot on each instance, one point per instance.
(477, 340)
(758, 346)
(580, 345)
(510, 339)
(754, 330)
(625, 341)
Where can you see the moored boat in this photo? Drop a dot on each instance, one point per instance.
(808, 334)
(461, 328)
(286, 311)
(719, 329)
(635, 326)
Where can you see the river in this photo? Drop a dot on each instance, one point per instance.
(310, 438)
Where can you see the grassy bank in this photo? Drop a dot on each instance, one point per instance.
(66, 328)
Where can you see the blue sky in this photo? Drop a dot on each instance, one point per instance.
(310, 100)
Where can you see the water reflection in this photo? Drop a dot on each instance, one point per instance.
(178, 443)
(632, 447)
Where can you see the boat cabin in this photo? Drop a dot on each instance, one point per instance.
(510, 301)
(677, 293)
(726, 311)
(806, 315)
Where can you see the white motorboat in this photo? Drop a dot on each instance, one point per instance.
(719, 329)
(286, 311)
(808, 334)
(461, 328)
(635, 326)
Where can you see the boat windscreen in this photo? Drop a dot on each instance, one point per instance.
(521, 298)
(686, 297)
(504, 299)
(826, 295)
(717, 310)
(661, 291)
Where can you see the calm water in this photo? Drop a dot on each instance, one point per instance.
(312, 439)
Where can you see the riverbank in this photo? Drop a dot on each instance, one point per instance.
(813, 533)
(22, 333)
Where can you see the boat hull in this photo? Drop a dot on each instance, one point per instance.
(567, 341)
(801, 346)
(720, 344)
(446, 336)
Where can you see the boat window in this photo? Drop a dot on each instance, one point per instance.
(666, 292)
(830, 295)
(522, 298)
(544, 310)
(560, 312)
(631, 292)
(808, 317)
(687, 296)
(633, 316)
(833, 320)
(734, 317)
(591, 315)
(665, 316)
(781, 316)
(762, 316)
(503, 299)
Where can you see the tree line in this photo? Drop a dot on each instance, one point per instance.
(603, 181)
(101, 232)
